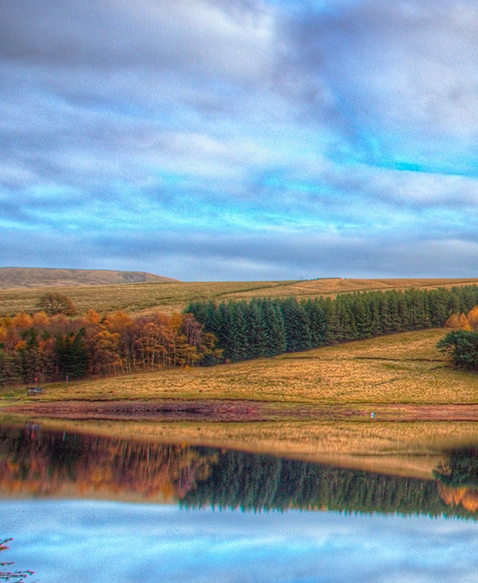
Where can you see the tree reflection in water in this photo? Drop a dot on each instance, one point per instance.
(458, 478)
(41, 463)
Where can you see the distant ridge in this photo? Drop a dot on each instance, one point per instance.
(15, 277)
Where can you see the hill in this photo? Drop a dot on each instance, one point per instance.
(169, 295)
(32, 277)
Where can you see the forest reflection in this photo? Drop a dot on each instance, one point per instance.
(37, 463)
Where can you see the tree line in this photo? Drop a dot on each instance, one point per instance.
(42, 347)
(268, 327)
(50, 346)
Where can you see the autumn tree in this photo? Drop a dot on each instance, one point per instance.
(472, 317)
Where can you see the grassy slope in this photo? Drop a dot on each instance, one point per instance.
(170, 296)
(401, 368)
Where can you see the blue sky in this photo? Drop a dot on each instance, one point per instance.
(240, 139)
(103, 542)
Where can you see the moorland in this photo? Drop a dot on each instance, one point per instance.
(390, 402)
(170, 296)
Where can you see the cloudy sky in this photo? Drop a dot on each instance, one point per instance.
(240, 139)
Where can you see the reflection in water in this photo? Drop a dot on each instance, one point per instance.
(458, 478)
(37, 463)
(99, 541)
(40, 463)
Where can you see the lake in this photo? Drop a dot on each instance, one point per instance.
(88, 507)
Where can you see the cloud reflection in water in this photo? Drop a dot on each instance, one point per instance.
(102, 542)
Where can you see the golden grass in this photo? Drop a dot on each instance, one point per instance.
(175, 296)
(402, 368)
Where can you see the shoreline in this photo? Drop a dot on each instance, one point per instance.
(215, 410)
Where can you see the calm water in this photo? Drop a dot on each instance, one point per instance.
(91, 509)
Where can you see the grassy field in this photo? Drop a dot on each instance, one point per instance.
(402, 368)
(175, 296)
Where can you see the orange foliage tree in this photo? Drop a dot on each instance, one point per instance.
(46, 347)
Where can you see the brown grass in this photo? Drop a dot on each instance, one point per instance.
(402, 368)
(168, 297)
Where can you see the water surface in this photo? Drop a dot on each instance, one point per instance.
(88, 508)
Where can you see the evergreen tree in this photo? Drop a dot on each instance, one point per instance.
(256, 330)
(275, 328)
(362, 315)
(72, 354)
(296, 326)
(317, 323)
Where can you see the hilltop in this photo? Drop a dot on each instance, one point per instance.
(33, 277)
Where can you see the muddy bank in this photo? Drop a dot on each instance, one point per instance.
(241, 411)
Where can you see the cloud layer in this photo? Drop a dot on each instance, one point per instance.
(245, 139)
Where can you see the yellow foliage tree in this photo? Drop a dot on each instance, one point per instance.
(473, 318)
(464, 324)
(453, 322)
(92, 317)
(41, 320)
(22, 321)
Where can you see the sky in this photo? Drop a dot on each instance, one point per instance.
(103, 542)
(240, 139)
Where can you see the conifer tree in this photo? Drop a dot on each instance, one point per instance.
(296, 326)
(275, 328)
(316, 321)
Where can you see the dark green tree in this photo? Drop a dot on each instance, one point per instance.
(72, 354)
(461, 347)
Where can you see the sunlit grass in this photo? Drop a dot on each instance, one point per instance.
(402, 368)
(169, 297)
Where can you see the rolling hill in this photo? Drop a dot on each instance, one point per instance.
(32, 277)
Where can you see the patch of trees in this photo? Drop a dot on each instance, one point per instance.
(262, 327)
(461, 469)
(267, 327)
(461, 345)
(41, 348)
